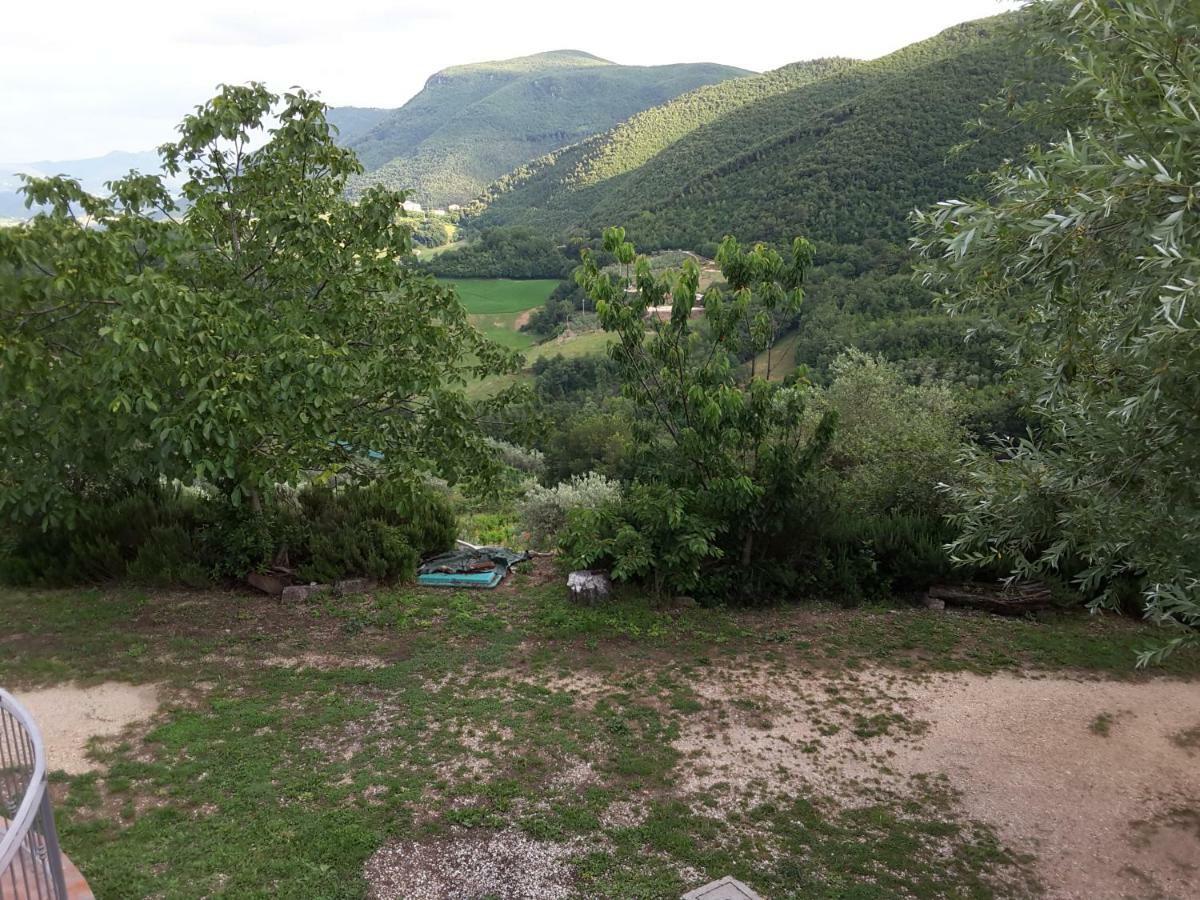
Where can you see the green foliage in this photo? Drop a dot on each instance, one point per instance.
(379, 530)
(170, 536)
(523, 459)
(656, 534)
(545, 511)
(721, 463)
(836, 149)
(548, 321)
(559, 377)
(864, 296)
(594, 437)
(151, 535)
(430, 231)
(503, 253)
(266, 332)
(896, 443)
(1097, 244)
(472, 123)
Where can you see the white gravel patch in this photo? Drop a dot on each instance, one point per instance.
(506, 865)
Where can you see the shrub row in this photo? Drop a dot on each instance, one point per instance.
(166, 535)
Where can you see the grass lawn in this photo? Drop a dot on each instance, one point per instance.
(294, 741)
(496, 305)
(588, 343)
(492, 296)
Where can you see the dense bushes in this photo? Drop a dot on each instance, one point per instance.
(545, 511)
(156, 535)
(504, 253)
(170, 536)
(866, 522)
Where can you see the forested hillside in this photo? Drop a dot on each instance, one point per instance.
(837, 150)
(471, 124)
(353, 122)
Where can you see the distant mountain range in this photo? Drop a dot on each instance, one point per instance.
(566, 143)
(471, 124)
(835, 149)
(92, 173)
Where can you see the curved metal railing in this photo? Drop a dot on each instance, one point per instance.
(30, 861)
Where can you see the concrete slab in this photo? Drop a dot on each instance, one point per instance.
(727, 888)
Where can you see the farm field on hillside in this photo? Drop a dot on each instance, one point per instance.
(571, 346)
(431, 252)
(496, 305)
(422, 744)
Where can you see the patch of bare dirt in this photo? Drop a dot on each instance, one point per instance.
(1112, 815)
(507, 865)
(69, 717)
(764, 729)
(1106, 814)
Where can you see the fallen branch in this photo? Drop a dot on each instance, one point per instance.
(1011, 600)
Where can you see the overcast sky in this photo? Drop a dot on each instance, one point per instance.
(84, 77)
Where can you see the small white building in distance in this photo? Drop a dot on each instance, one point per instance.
(411, 206)
(454, 207)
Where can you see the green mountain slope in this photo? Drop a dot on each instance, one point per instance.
(838, 150)
(471, 124)
(354, 121)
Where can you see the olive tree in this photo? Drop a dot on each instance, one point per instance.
(257, 329)
(1093, 244)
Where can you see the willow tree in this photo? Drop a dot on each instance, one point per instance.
(1094, 244)
(259, 330)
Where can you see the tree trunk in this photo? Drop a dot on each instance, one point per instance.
(747, 548)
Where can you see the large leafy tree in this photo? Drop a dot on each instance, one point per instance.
(722, 455)
(1095, 245)
(260, 330)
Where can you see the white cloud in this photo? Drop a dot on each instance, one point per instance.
(81, 77)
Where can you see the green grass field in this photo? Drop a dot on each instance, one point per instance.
(493, 296)
(783, 358)
(496, 305)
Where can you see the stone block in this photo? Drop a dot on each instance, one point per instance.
(300, 592)
(589, 586)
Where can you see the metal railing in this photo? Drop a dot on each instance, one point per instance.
(30, 861)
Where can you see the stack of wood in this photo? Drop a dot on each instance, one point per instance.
(1013, 599)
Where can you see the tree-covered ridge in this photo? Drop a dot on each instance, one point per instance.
(838, 150)
(352, 122)
(563, 178)
(470, 124)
